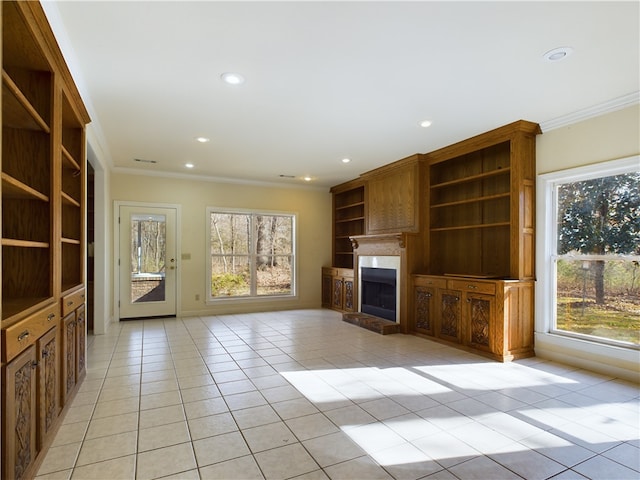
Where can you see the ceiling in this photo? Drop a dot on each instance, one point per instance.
(331, 80)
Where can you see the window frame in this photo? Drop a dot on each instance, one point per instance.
(547, 255)
(211, 300)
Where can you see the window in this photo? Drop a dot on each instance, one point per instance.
(592, 252)
(252, 254)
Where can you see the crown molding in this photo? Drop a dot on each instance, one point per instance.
(591, 112)
(205, 178)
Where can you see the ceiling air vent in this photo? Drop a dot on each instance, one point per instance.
(144, 161)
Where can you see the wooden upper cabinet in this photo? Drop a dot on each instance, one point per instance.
(348, 220)
(482, 203)
(393, 197)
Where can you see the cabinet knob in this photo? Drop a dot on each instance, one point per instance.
(23, 336)
(51, 316)
(45, 353)
(34, 364)
(69, 303)
(472, 287)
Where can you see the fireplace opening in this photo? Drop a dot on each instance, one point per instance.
(378, 296)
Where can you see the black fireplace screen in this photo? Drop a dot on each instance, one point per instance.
(378, 296)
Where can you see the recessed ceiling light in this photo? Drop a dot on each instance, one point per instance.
(307, 178)
(346, 160)
(232, 78)
(425, 123)
(203, 139)
(557, 54)
(189, 165)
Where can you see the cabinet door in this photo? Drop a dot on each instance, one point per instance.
(337, 300)
(81, 347)
(69, 339)
(327, 285)
(479, 311)
(348, 295)
(48, 383)
(424, 314)
(19, 442)
(450, 318)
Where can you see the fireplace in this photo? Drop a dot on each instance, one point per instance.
(379, 286)
(378, 295)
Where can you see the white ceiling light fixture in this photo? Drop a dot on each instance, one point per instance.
(557, 54)
(189, 165)
(203, 139)
(346, 160)
(425, 123)
(307, 178)
(231, 78)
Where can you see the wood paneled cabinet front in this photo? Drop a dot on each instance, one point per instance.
(338, 289)
(74, 337)
(493, 317)
(48, 365)
(30, 387)
(19, 422)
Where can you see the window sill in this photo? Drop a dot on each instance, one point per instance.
(601, 358)
(235, 300)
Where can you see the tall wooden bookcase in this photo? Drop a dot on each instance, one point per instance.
(43, 241)
(482, 204)
(348, 220)
(479, 290)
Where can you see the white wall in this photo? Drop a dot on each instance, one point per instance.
(607, 137)
(312, 205)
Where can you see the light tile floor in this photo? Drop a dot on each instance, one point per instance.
(302, 394)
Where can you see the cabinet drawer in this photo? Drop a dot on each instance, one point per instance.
(332, 272)
(428, 281)
(72, 301)
(344, 272)
(18, 337)
(473, 286)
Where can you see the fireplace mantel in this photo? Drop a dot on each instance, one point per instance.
(397, 240)
(403, 245)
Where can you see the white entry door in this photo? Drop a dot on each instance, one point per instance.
(147, 261)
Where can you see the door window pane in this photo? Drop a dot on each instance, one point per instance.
(148, 252)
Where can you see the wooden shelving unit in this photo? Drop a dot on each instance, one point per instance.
(478, 293)
(348, 220)
(43, 200)
(481, 204)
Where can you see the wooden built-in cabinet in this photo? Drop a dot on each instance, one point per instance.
(394, 197)
(338, 290)
(43, 209)
(348, 220)
(492, 317)
(465, 214)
